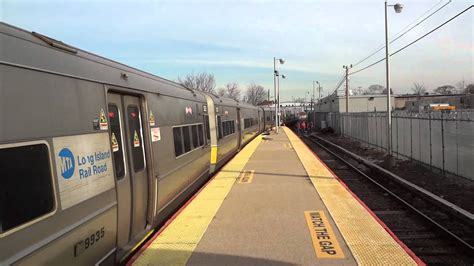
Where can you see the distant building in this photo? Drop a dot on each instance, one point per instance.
(357, 103)
(415, 103)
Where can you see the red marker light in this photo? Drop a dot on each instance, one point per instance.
(133, 114)
(111, 114)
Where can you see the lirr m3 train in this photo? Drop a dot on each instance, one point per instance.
(94, 154)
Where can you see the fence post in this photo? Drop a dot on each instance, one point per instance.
(457, 148)
(431, 153)
(442, 139)
(397, 152)
(368, 132)
(376, 129)
(411, 136)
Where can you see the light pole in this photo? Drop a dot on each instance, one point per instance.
(319, 92)
(313, 102)
(398, 8)
(275, 75)
(278, 96)
(319, 101)
(347, 86)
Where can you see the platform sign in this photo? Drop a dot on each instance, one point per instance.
(325, 242)
(155, 134)
(136, 139)
(103, 124)
(83, 166)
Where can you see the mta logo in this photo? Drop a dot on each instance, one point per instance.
(67, 163)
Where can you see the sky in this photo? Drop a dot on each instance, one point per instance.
(237, 40)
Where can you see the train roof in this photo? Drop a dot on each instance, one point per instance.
(39, 52)
(21, 48)
(231, 102)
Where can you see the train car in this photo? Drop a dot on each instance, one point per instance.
(261, 119)
(225, 139)
(95, 154)
(249, 119)
(269, 118)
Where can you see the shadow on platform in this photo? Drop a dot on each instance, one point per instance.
(177, 257)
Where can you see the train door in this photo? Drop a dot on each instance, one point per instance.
(126, 134)
(239, 128)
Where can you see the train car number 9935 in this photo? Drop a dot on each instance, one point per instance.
(88, 242)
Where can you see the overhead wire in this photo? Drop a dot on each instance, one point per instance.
(340, 82)
(416, 40)
(403, 31)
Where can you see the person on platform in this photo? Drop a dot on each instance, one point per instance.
(303, 127)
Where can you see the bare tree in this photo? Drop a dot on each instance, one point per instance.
(384, 91)
(374, 89)
(445, 89)
(221, 92)
(230, 90)
(202, 81)
(418, 88)
(233, 91)
(358, 91)
(461, 86)
(255, 94)
(469, 89)
(299, 100)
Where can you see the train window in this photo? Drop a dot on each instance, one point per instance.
(208, 129)
(219, 126)
(186, 139)
(229, 127)
(116, 138)
(194, 134)
(246, 123)
(225, 128)
(136, 138)
(178, 143)
(200, 135)
(26, 189)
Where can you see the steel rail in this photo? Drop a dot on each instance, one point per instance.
(413, 208)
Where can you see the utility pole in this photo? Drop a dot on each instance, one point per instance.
(347, 86)
(319, 90)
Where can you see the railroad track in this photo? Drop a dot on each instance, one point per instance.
(437, 231)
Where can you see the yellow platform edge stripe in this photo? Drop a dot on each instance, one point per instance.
(368, 241)
(175, 245)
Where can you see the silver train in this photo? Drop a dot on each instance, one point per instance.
(94, 155)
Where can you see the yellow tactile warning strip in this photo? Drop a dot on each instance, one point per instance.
(366, 238)
(175, 245)
(246, 176)
(325, 242)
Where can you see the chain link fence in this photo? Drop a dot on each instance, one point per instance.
(444, 140)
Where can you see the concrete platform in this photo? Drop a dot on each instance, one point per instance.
(275, 203)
